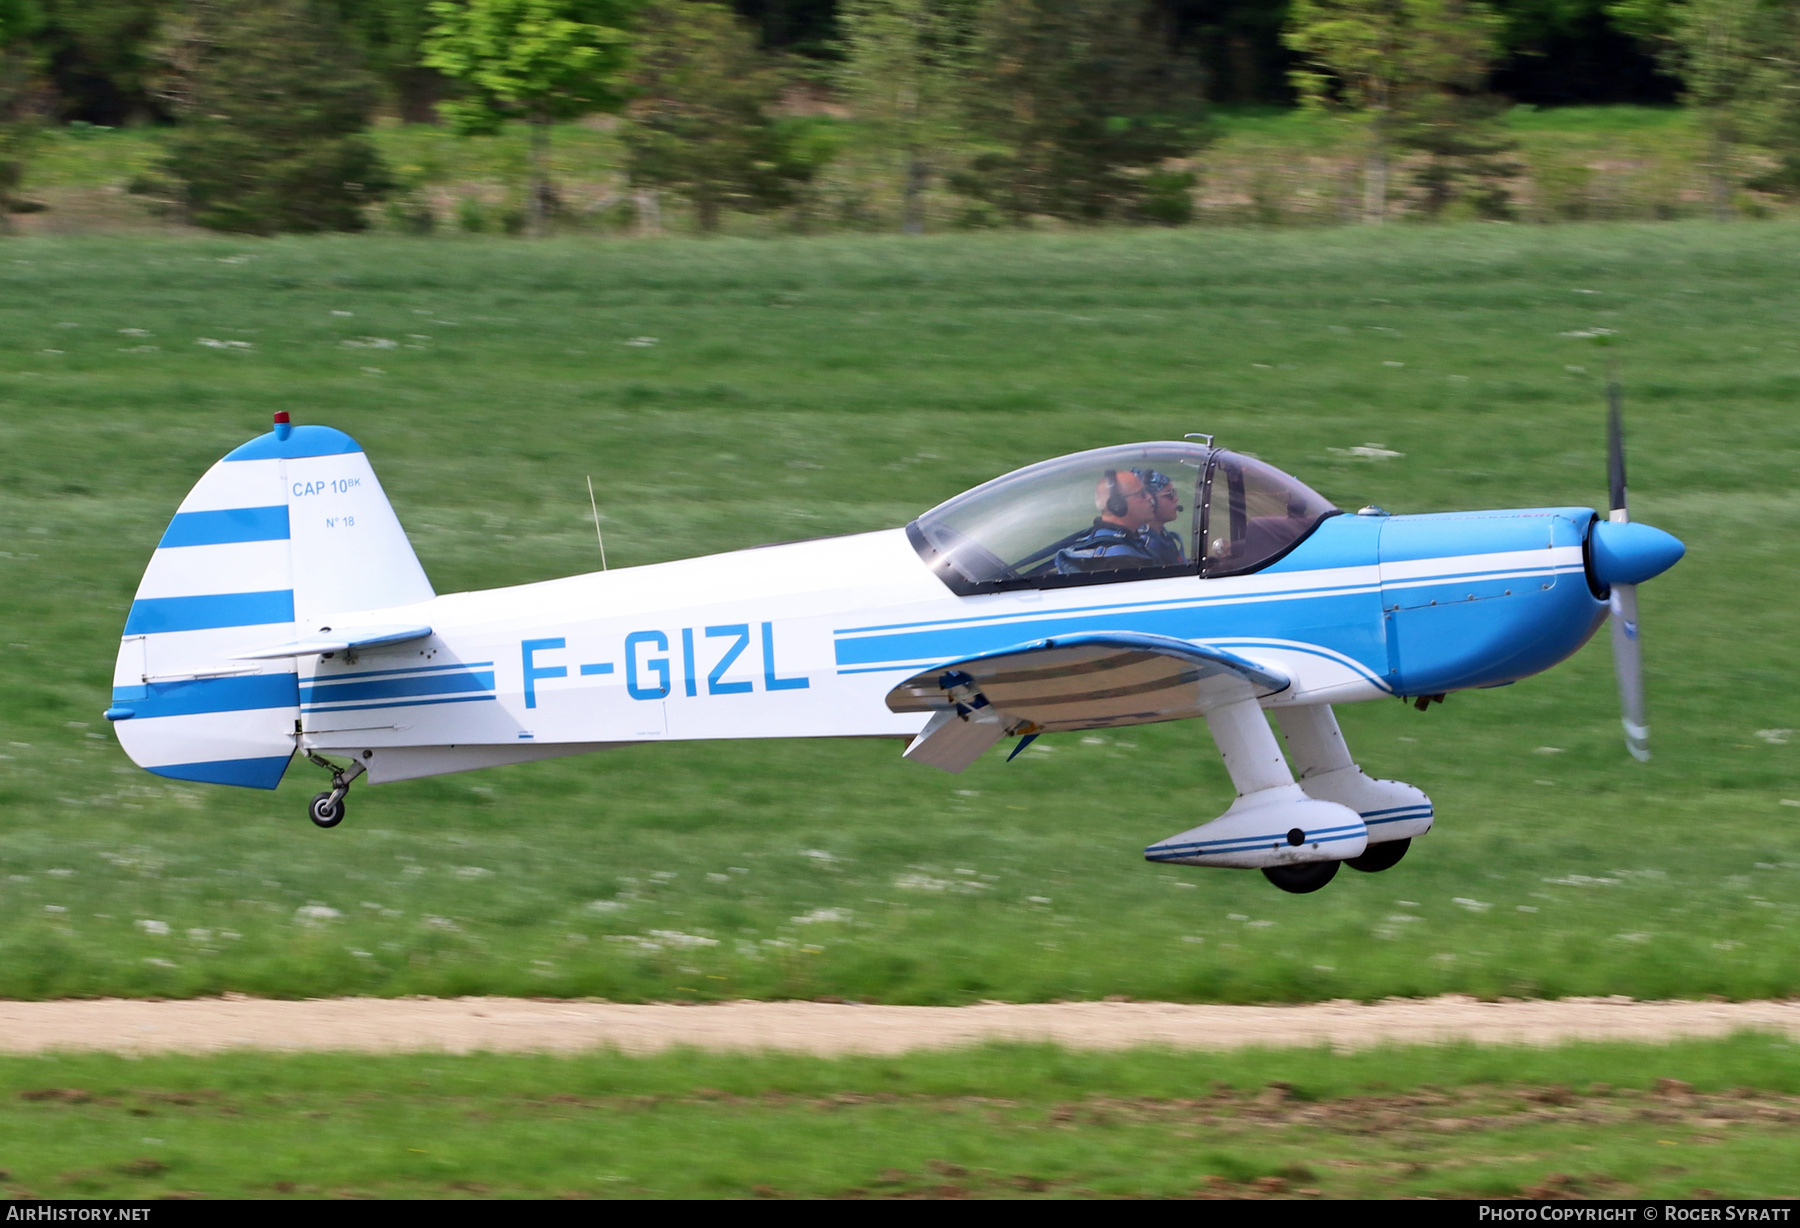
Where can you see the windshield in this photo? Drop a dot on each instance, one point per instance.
(1255, 513)
(1109, 514)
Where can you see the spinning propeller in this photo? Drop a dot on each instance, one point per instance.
(1622, 555)
(1628, 650)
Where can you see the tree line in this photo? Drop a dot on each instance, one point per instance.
(1080, 110)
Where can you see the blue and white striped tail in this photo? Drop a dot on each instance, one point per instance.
(287, 529)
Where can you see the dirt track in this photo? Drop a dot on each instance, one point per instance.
(520, 1025)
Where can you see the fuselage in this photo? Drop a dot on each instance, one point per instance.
(806, 639)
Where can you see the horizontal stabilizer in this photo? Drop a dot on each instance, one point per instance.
(341, 639)
(1091, 680)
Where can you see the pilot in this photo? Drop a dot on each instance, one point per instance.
(1165, 505)
(1116, 539)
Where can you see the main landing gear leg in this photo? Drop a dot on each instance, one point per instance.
(327, 809)
(1394, 811)
(1273, 826)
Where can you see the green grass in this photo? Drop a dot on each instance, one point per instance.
(1001, 1121)
(810, 387)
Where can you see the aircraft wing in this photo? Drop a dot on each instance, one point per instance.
(1093, 680)
(342, 639)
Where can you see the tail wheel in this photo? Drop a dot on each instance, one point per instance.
(1384, 856)
(1302, 879)
(327, 809)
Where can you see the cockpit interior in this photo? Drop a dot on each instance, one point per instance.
(1134, 512)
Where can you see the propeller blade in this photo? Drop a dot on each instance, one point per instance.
(1615, 453)
(1628, 664)
(1628, 653)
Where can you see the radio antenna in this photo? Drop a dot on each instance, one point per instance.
(595, 507)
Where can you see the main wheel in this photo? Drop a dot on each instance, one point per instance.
(326, 811)
(1384, 856)
(1304, 878)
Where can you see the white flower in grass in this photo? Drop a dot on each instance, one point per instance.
(153, 927)
(820, 916)
(1367, 451)
(316, 914)
(641, 343)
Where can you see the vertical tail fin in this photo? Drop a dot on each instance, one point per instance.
(285, 531)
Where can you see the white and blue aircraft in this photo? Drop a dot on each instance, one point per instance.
(285, 613)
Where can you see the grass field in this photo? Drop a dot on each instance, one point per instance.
(799, 388)
(1588, 1120)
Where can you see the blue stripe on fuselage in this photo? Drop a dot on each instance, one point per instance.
(1345, 621)
(237, 524)
(322, 691)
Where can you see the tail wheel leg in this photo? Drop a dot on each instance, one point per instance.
(327, 809)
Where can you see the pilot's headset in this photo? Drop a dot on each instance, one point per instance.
(1116, 503)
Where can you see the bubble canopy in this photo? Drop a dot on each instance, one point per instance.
(1135, 512)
